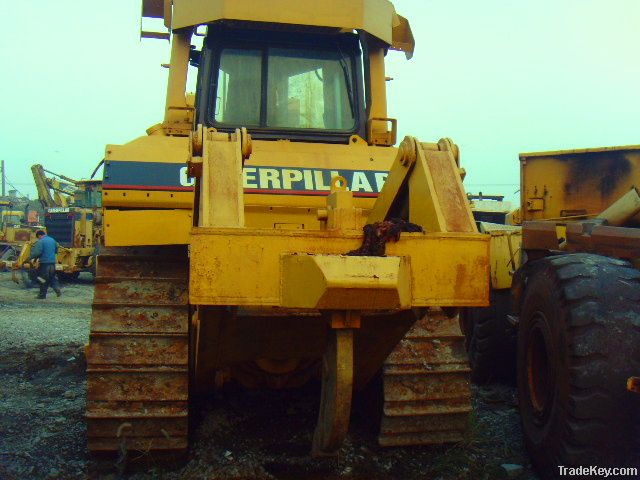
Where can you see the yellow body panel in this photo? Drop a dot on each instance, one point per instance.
(18, 234)
(285, 184)
(576, 183)
(72, 260)
(147, 227)
(84, 230)
(447, 269)
(505, 252)
(285, 195)
(345, 282)
(148, 198)
(151, 148)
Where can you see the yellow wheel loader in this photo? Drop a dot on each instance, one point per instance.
(72, 217)
(576, 304)
(233, 231)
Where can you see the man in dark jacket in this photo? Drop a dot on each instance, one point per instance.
(45, 250)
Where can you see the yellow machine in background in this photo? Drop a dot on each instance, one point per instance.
(489, 333)
(72, 217)
(14, 233)
(8, 216)
(234, 234)
(490, 208)
(576, 307)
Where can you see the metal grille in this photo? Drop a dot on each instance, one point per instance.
(60, 227)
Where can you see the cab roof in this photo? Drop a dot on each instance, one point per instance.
(376, 17)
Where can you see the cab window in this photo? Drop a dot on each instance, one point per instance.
(306, 88)
(239, 87)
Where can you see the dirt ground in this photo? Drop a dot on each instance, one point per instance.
(235, 435)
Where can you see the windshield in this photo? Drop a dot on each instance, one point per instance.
(305, 89)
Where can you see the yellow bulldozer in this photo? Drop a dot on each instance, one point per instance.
(270, 233)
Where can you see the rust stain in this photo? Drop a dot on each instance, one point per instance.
(461, 280)
(595, 172)
(137, 358)
(427, 396)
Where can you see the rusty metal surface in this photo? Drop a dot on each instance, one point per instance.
(427, 396)
(109, 318)
(337, 389)
(448, 187)
(137, 360)
(539, 236)
(585, 237)
(144, 263)
(619, 242)
(143, 291)
(633, 384)
(576, 182)
(138, 349)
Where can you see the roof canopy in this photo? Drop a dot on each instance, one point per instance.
(377, 17)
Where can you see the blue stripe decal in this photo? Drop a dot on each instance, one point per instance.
(256, 179)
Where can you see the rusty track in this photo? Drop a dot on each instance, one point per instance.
(427, 396)
(137, 360)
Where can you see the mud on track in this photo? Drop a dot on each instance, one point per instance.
(235, 434)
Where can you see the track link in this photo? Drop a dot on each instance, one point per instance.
(426, 381)
(137, 358)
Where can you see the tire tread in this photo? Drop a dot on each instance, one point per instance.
(598, 298)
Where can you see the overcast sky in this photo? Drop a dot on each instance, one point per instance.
(497, 76)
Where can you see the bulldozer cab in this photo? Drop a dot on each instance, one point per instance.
(280, 73)
(284, 85)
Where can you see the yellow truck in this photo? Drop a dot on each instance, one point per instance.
(234, 247)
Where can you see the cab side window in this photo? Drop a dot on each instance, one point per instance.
(239, 87)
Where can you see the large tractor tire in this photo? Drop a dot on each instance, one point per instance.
(578, 342)
(491, 341)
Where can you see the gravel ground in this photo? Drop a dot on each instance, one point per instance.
(42, 432)
(236, 434)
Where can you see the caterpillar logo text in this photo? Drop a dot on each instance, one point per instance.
(256, 179)
(306, 181)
